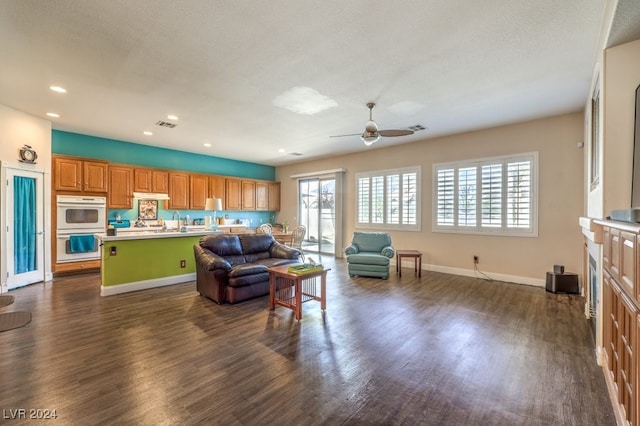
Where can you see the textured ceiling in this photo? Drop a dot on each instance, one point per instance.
(219, 66)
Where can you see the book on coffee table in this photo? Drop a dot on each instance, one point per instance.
(304, 269)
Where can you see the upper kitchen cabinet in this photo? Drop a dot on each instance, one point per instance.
(233, 194)
(120, 187)
(262, 196)
(248, 195)
(217, 188)
(150, 180)
(79, 175)
(198, 191)
(274, 196)
(178, 191)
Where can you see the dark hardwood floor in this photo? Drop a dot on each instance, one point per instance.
(436, 350)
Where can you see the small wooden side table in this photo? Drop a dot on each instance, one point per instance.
(417, 260)
(291, 290)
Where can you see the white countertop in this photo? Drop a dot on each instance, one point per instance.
(146, 233)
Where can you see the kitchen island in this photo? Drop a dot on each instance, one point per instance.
(136, 260)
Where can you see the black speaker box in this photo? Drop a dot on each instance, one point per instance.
(562, 283)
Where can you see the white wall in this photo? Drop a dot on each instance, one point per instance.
(16, 130)
(524, 260)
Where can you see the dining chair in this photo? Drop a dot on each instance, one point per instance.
(265, 228)
(297, 237)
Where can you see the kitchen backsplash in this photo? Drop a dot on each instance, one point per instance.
(255, 218)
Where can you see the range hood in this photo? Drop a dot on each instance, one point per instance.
(150, 196)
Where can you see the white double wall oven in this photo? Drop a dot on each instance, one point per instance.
(78, 219)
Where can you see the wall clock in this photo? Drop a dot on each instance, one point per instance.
(28, 155)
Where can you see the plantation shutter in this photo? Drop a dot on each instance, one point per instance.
(491, 210)
(377, 199)
(409, 198)
(393, 199)
(519, 194)
(363, 200)
(445, 196)
(467, 188)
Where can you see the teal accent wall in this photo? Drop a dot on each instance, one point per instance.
(116, 151)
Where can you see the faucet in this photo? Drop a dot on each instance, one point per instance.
(173, 217)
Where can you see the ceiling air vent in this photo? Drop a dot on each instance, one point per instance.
(297, 154)
(165, 124)
(417, 128)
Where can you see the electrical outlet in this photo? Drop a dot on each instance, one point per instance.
(183, 263)
(112, 251)
(475, 260)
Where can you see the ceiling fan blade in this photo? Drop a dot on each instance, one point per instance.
(340, 136)
(397, 132)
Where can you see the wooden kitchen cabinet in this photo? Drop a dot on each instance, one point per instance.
(621, 319)
(178, 191)
(217, 189)
(248, 195)
(150, 180)
(120, 187)
(233, 194)
(198, 191)
(262, 196)
(79, 175)
(274, 196)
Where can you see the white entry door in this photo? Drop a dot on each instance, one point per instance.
(24, 227)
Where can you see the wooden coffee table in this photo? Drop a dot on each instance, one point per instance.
(292, 290)
(417, 260)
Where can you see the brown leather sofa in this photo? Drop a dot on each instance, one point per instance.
(232, 268)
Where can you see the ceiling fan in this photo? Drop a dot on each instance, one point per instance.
(371, 133)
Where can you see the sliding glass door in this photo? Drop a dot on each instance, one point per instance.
(317, 210)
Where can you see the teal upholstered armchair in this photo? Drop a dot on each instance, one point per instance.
(369, 254)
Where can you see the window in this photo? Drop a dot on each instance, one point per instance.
(389, 199)
(595, 138)
(487, 196)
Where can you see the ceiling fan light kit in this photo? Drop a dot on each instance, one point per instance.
(369, 138)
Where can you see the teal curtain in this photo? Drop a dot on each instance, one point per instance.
(24, 224)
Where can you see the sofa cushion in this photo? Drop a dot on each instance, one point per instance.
(222, 244)
(255, 257)
(255, 243)
(249, 279)
(276, 261)
(240, 270)
(368, 258)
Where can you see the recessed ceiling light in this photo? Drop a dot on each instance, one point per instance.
(207, 145)
(58, 89)
(281, 150)
(53, 114)
(172, 117)
(147, 133)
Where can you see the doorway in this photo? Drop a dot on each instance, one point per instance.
(24, 227)
(317, 211)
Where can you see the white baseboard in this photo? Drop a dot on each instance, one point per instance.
(110, 290)
(536, 282)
